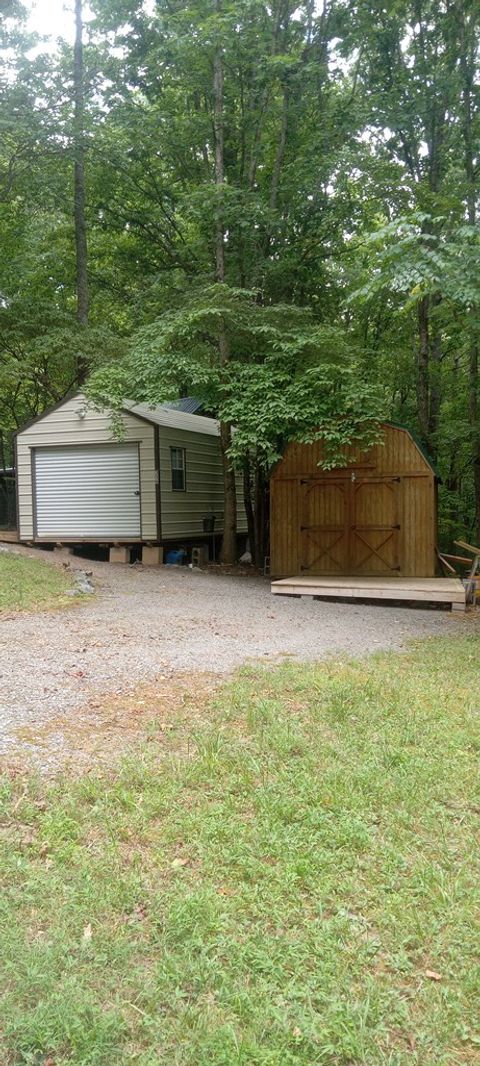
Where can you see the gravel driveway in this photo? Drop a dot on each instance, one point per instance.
(162, 625)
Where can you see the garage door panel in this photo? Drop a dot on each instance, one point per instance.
(90, 491)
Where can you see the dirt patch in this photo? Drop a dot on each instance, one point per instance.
(102, 730)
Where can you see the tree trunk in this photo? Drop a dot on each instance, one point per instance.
(249, 508)
(261, 514)
(229, 542)
(467, 67)
(429, 364)
(475, 431)
(219, 161)
(423, 369)
(277, 168)
(434, 380)
(264, 97)
(280, 154)
(79, 182)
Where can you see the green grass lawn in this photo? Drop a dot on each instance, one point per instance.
(27, 583)
(301, 886)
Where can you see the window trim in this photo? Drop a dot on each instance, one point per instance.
(183, 468)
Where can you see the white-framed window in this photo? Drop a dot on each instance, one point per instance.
(179, 471)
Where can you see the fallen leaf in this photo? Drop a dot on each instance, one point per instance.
(433, 975)
(297, 1032)
(87, 932)
(179, 862)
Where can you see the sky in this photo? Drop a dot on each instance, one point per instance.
(53, 18)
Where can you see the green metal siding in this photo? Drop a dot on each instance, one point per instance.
(182, 512)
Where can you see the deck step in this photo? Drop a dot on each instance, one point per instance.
(426, 589)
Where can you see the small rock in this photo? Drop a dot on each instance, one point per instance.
(83, 585)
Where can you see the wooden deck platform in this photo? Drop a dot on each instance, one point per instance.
(422, 589)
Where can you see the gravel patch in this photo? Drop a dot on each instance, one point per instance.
(146, 625)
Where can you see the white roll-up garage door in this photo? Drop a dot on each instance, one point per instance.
(90, 491)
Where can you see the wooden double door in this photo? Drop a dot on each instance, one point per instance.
(351, 526)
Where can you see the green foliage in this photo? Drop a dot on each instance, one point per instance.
(346, 196)
(419, 256)
(287, 376)
(269, 406)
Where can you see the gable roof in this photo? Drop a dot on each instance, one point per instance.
(418, 443)
(164, 415)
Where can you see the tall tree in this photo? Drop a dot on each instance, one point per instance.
(332, 149)
(467, 21)
(79, 182)
(229, 544)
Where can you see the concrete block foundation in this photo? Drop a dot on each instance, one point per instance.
(119, 554)
(152, 555)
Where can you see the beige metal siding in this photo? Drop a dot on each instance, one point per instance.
(182, 512)
(63, 426)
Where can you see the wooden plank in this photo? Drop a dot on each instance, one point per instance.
(467, 547)
(446, 564)
(397, 453)
(342, 473)
(433, 590)
(372, 594)
(375, 582)
(9, 536)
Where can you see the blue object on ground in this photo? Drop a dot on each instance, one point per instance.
(175, 558)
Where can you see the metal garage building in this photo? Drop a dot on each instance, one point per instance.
(76, 482)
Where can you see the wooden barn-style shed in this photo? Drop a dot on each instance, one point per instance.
(376, 516)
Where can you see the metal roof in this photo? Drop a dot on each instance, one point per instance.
(174, 419)
(189, 404)
(166, 414)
